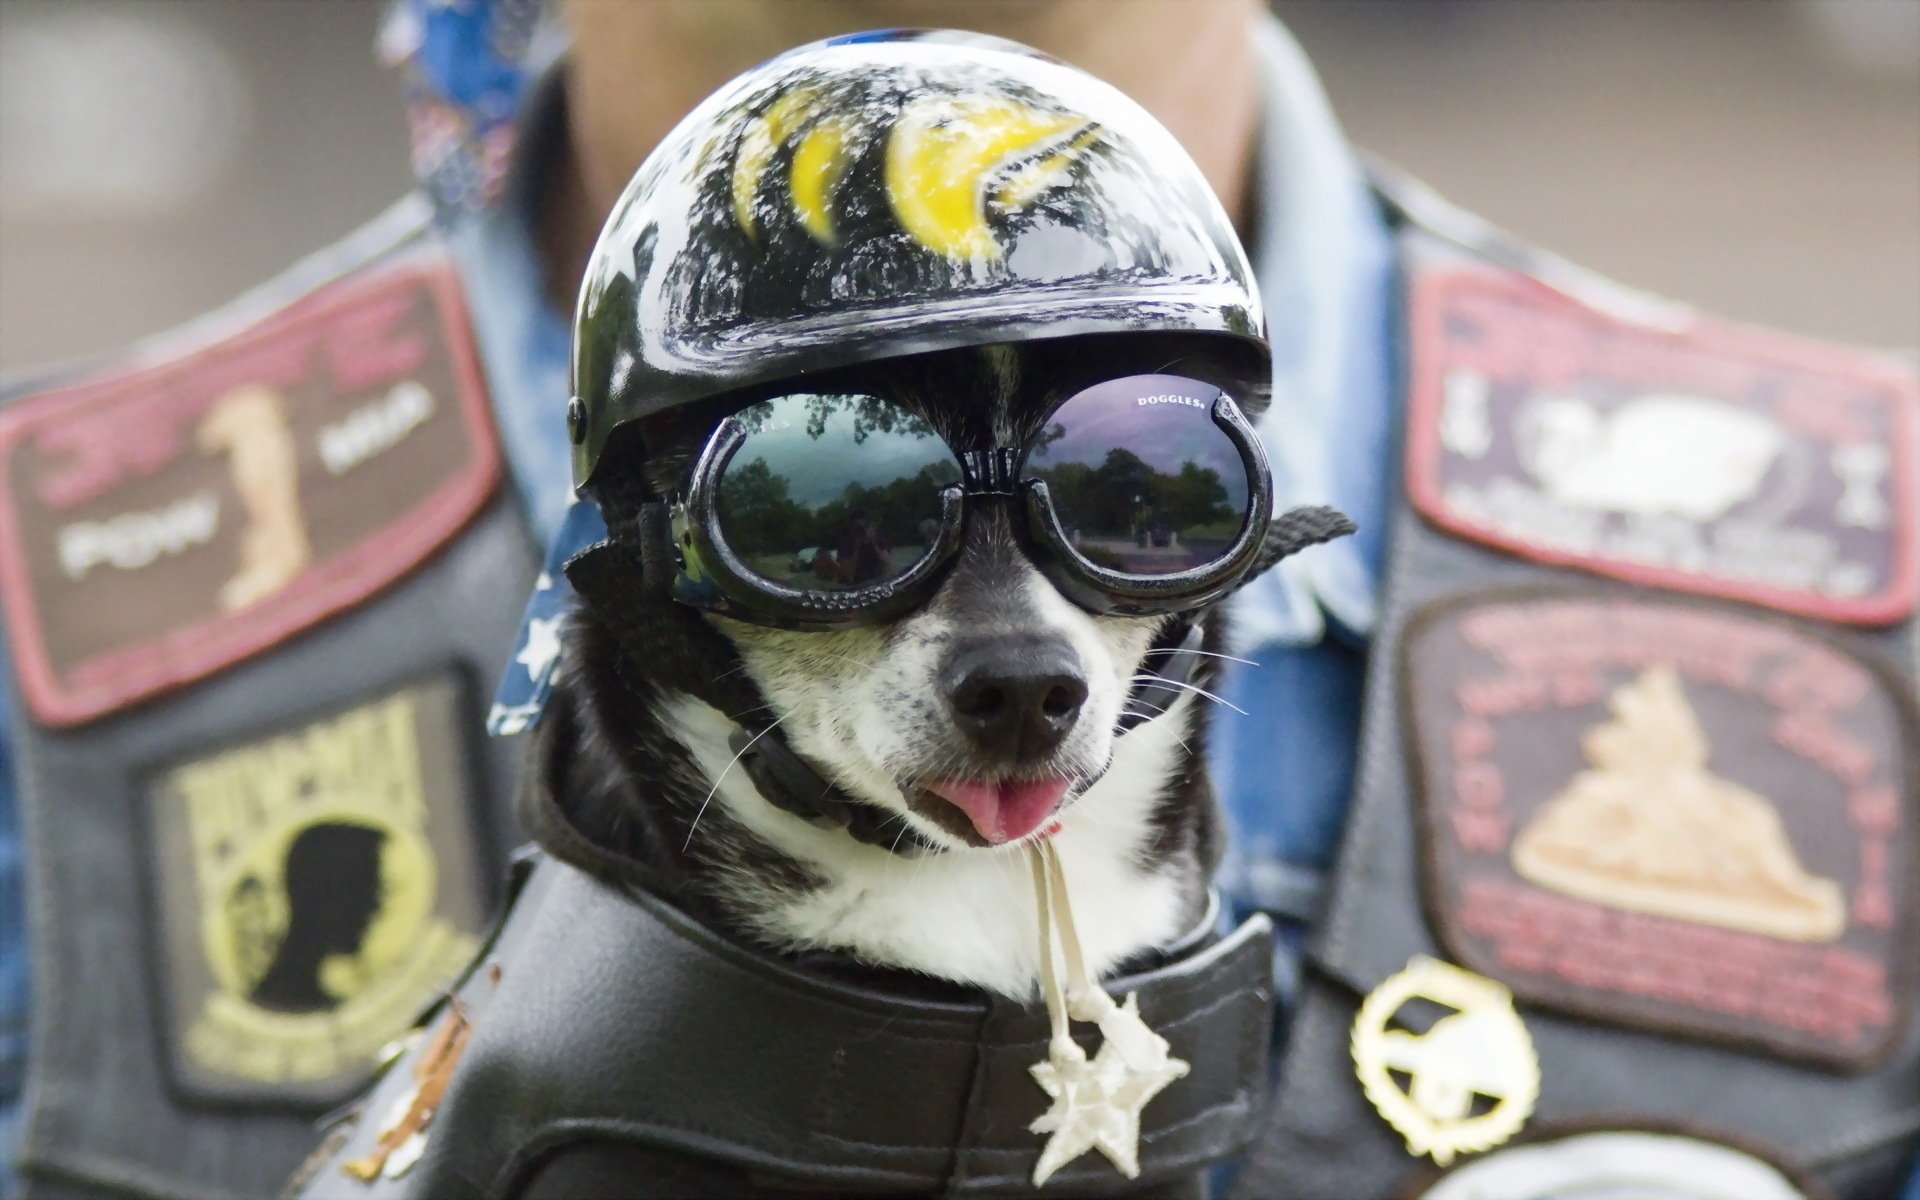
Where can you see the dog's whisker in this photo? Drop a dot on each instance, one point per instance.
(845, 658)
(1147, 711)
(721, 778)
(1202, 653)
(905, 829)
(1160, 712)
(1188, 687)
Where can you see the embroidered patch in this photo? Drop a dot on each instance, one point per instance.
(316, 888)
(1673, 815)
(1642, 1163)
(1712, 459)
(162, 523)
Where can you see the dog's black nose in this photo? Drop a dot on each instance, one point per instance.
(1015, 698)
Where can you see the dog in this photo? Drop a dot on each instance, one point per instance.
(883, 712)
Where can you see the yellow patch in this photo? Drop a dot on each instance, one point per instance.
(325, 909)
(949, 164)
(819, 162)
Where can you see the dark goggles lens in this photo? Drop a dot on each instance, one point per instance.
(833, 492)
(1143, 479)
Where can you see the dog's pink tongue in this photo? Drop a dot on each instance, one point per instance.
(1005, 811)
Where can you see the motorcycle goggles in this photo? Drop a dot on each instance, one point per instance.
(1143, 495)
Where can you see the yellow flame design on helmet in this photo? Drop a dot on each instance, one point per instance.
(762, 137)
(819, 162)
(947, 159)
(820, 159)
(944, 151)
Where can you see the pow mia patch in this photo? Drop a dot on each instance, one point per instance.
(1641, 1163)
(163, 522)
(316, 889)
(1672, 815)
(1706, 459)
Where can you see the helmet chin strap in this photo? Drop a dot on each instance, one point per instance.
(626, 580)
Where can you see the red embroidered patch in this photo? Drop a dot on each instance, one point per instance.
(1668, 814)
(1706, 459)
(164, 522)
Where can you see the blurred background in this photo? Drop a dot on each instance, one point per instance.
(1760, 158)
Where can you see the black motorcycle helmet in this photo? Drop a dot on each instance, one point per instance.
(888, 194)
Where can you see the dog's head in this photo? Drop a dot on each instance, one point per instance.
(980, 715)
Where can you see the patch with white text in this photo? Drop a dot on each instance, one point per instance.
(1593, 1161)
(162, 523)
(316, 889)
(1709, 459)
(1668, 814)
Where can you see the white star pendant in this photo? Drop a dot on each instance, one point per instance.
(1097, 1103)
(543, 646)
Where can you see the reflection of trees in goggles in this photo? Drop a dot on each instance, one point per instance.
(790, 508)
(762, 517)
(1145, 480)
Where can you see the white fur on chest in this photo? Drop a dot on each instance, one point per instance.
(966, 916)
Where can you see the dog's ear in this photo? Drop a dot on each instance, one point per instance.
(1296, 529)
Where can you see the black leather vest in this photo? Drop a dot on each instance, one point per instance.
(1639, 755)
(259, 577)
(606, 1044)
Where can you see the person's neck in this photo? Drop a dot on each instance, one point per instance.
(636, 69)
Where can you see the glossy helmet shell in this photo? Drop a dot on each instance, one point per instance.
(888, 194)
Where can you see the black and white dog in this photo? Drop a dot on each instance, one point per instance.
(979, 722)
(1034, 816)
(913, 377)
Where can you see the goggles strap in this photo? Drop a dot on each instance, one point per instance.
(1295, 530)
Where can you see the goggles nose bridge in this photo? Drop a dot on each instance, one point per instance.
(992, 472)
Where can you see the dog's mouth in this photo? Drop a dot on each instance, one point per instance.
(989, 812)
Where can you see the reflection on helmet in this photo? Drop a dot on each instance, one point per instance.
(887, 195)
